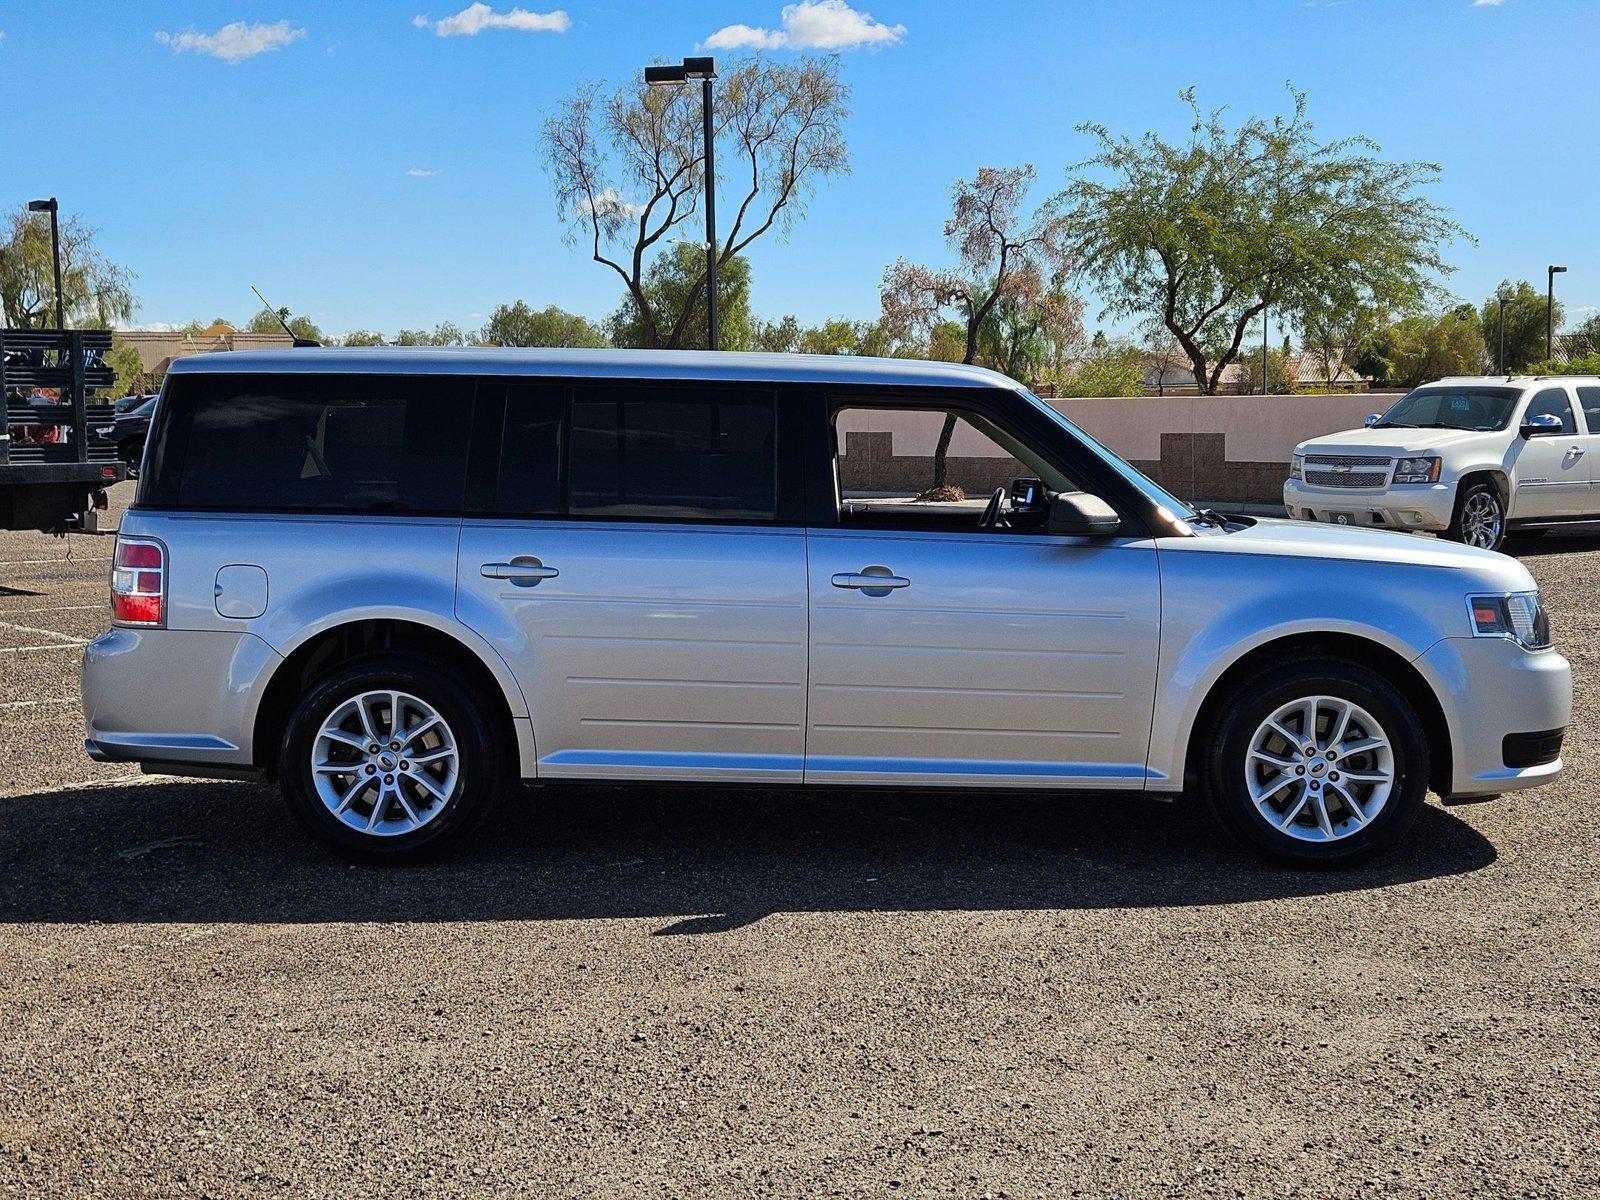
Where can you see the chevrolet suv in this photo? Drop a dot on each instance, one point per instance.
(395, 580)
(1472, 458)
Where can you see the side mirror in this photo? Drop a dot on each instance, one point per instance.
(1541, 425)
(1372, 419)
(1078, 514)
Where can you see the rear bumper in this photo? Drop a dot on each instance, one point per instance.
(1504, 706)
(174, 697)
(1430, 506)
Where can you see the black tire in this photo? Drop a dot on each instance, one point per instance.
(481, 761)
(1247, 708)
(1480, 492)
(132, 455)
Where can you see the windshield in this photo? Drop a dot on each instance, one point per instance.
(1470, 408)
(1152, 490)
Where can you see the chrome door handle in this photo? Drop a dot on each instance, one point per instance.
(1575, 451)
(871, 581)
(524, 571)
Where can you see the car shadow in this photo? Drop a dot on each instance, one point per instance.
(699, 860)
(1555, 542)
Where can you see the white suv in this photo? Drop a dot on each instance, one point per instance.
(1473, 458)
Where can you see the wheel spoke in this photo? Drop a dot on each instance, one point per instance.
(1291, 814)
(1319, 804)
(428, 785)
(1342, 724)
(336, 768)
(1351, 804)
(348, 797)
(366, 719)
(1363, 745)
(400, 795)
(334, 734)
(413, 734)
(1283, 764)
(431, 756)
(1362, 777)
(378, 807)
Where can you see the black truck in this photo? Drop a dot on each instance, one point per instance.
(54, 466)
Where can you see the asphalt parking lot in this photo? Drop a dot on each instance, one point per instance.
(629, 992)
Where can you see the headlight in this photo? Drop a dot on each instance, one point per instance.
(1417, 470)
(1297, 466)
(1516, 615)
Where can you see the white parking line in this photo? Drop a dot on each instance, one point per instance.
(32, 703)
(47, 633)
(64, 608)
(51, 562)
(54, 646)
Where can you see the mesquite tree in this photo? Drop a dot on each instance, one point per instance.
(1204, 234)
(629, 170)
(1001, 256)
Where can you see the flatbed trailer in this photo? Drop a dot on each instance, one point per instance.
(48, 378)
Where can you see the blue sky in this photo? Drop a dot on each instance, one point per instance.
(376, 174)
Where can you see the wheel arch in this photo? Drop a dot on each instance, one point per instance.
(1347, 647)
(326, 648)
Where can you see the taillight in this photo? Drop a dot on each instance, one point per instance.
(138, 581)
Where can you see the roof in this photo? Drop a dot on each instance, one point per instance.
(607, 364)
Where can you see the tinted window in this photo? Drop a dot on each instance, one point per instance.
(1553, 402)
(671, 453)
(311, 442)
(1589, 397)
(528, 480)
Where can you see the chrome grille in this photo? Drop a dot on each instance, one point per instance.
(1348, 470)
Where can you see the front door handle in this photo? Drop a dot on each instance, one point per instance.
(871, 581)
(1575, 451)
(523, 571)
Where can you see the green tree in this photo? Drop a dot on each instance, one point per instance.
(1524, 325)
(445, 333)
(124, 360)
(672, 291)
(1001, 255)
(1031, 339)
(518, 325)
(1425, 348)
(628, 171)
(363, 337)
(1280, 373)
(1206, 233)
(1109, 369)
(94, 290)
(272, 320)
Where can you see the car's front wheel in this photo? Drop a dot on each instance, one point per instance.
(1317, 763)
(1480, 518)
(387, 759)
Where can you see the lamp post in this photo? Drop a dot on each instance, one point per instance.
(1500, 321)
(705, 70)
(1550, 274)
(50, 207)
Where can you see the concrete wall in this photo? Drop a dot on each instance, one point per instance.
(1214, 448)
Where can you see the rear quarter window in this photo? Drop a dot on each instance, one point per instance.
(311, 443)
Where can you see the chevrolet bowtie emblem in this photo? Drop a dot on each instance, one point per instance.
(1341, 467)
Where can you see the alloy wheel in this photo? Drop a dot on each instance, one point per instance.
(1319, 769)
(1481, 520)
(385, 763)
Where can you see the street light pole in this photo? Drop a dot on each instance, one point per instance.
(50, 206)
(1500, 320)
(1550, 274)
(705, 70)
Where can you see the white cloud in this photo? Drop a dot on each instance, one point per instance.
(474, 316)
(475, 18)
(810, 25)
(609, 203)
(234, 43)
(422, 172)
(1487, 3)
(149, 326)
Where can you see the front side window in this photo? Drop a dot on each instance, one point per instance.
(1589, 397)
(1553, 402)
(308, 442)
(888, 466)
(672, 453)
(1470, 408)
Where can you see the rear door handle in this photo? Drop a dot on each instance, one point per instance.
(871, 581)
(524, 571)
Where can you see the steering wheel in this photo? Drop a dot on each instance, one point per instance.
(991, 511)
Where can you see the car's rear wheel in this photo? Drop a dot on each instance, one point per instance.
(388, 759)
(1317, 763)
(1480, 518)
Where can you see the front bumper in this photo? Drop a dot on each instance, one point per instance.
(1420, 506)
(1493, 691)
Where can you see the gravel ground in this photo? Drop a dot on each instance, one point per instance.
(692, 992)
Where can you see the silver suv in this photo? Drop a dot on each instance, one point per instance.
(394, 580)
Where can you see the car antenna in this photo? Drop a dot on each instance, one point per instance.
(299, 342)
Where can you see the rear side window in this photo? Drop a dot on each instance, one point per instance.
(315, 443)
(664, 453)
(1589, 397)
(1553, 402)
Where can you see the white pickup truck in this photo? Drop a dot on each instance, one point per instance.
(1473, 458)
